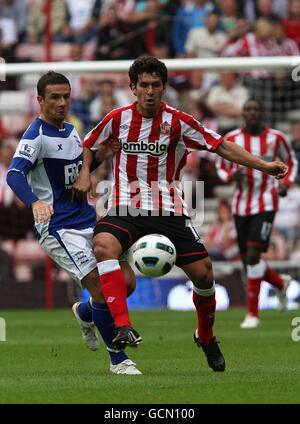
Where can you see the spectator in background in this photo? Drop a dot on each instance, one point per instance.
(283, 46)
(154, 26)
(114, 39)
(229, 12)
(240, 30)
(292, 22)
(82, 18)
(264, 9)
(8, 37)
(220, 238)
(107, 94)
(36, 21)
(81, 105)
(17, 11)
(207, 41)
(190, 14)
(225, 100)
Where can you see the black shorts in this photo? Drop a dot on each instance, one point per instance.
(179, 229)
(254, 230)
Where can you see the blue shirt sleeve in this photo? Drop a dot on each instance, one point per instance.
(17, 180)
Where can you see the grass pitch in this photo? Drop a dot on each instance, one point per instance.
(45, 361)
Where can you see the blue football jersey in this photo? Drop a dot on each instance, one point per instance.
(51, 159)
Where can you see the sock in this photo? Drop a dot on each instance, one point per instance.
(104, 322)
(255, 275)
(273, 278)
(85, 311)
(114, 291)
(253, 288)
(205, 304)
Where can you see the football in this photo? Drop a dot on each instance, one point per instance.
(154, 255)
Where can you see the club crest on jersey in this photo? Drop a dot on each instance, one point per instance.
(166, 128)
(142, 146)
(27, 151)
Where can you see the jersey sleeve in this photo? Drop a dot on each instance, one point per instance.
(287, 155)
(23, 161)
(99, 134)
(196, 137)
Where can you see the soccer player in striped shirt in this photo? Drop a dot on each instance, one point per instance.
(255, 202)
(155, 140)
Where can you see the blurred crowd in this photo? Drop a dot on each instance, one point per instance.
(31, 30)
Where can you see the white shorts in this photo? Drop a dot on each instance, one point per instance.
(72, 250)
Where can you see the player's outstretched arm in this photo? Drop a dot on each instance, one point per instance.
(237, 154)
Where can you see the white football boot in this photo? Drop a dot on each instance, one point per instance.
(126, 367)
(88, 330)
(250, 321)
(281, 294)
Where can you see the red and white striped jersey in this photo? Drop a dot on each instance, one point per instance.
(148, 168)
(256, 191)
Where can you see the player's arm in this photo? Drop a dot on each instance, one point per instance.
(237, 154)
(17, 180)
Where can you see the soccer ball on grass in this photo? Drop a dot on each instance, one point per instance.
(154, 255)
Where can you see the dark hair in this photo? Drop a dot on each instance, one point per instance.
(150, 65)
(253, 99)
(50, 78)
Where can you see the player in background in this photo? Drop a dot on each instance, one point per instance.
(255, 202)
(42, 172)
(156, 140)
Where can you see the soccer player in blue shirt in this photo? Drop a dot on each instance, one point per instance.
(44, 167)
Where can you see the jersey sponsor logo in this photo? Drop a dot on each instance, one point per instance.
(71, 173)
(142, 146)
(124, 127)
(59, 147)
(27, 151)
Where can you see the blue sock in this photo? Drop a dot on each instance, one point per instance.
(104, 322)
(85, 311)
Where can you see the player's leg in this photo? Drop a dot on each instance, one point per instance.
(193, 258)
(102, 319)
(201, 274)
(250, 256)
(112, 236)
(255, 269)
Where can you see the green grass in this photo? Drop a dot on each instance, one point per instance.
(44, 361)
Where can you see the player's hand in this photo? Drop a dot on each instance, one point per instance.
(42, 212)
(107, 149)
(283, 190)
(277, 169)
(80, 188)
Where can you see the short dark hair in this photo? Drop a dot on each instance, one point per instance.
(150, 65)
(258, 102)
(50, 78)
